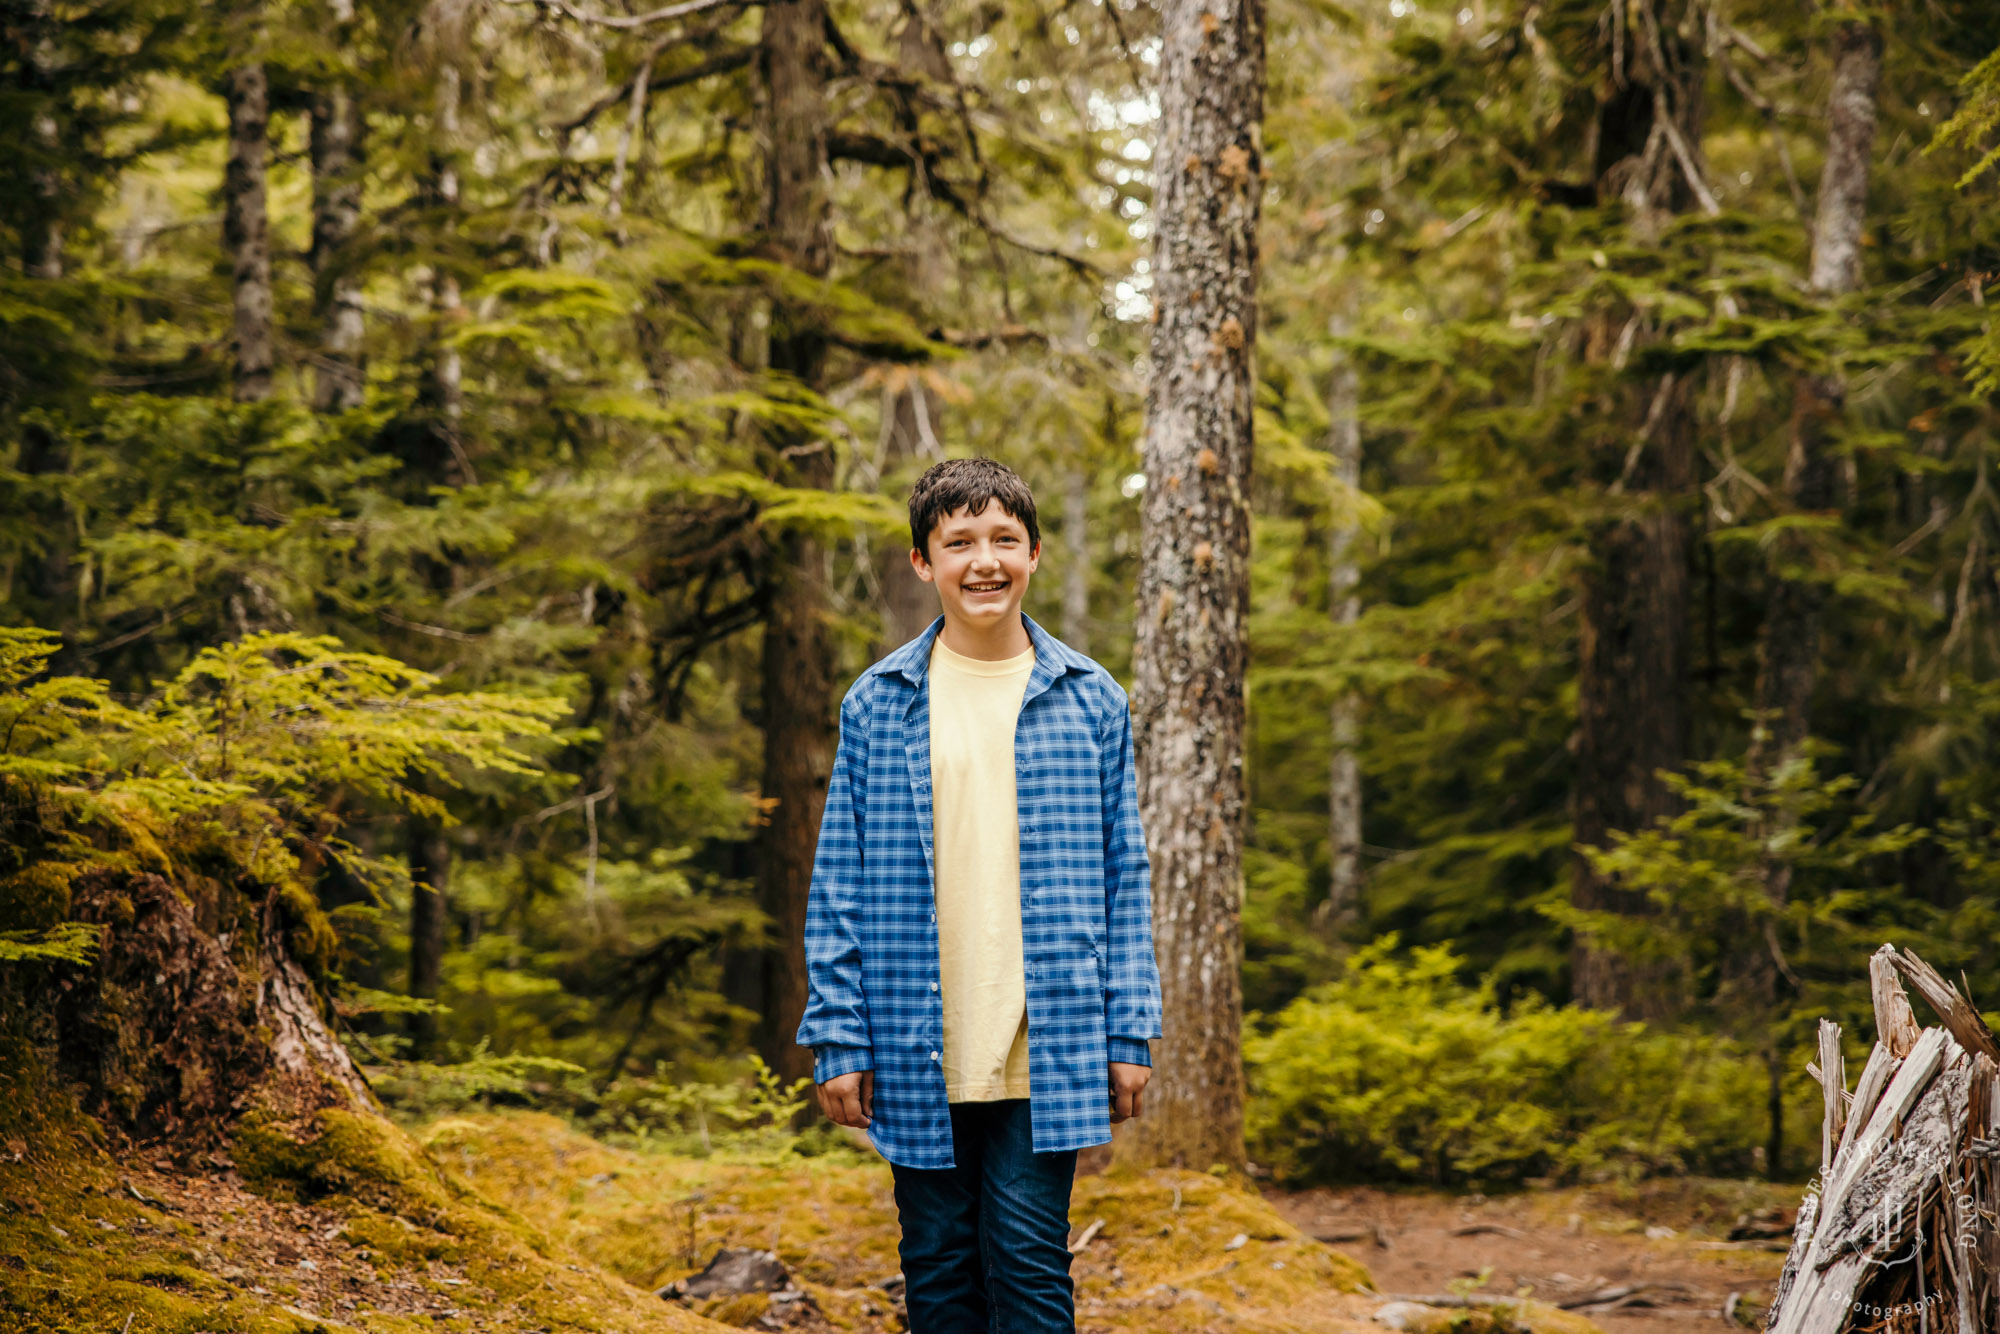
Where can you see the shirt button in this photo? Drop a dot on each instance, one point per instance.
(933, 986)
(934, 1056)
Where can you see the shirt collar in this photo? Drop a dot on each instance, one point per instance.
(912, 661)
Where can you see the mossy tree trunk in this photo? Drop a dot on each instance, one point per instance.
(1632, 654)
(1789, 645)
(339, 373)
(798, 689)
(1194, 572)
(430, 916)
(908, 604)
(1343, 401)
(246, 223)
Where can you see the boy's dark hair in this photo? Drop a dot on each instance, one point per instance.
(973, 484)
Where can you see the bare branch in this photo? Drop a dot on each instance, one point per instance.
(634, 124)
(922, 156)
(721, 63)
(1683, 154)
(671, 12)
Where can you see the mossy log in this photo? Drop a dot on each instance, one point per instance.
(1899, 1231)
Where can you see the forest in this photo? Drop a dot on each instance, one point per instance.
(1531, 462)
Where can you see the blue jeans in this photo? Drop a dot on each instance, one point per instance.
(985, 1244)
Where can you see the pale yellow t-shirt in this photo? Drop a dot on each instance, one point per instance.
(976, 837)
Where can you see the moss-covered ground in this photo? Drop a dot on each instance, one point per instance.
(1161, 1261)
(339, 1223)
(336, 1220)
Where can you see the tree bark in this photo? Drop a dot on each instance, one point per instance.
(909, 604)
(339, 373)
(1076, 558)
(1189, 698)
(444, 389)
(798, 689)
(430, 912)
(1343, 894)
(42, 222)
(1632, 654)
(246, 228)
(1789, 653)
(1789, 646)
(175, 1026)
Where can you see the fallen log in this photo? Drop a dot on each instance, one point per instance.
(1898, 1231)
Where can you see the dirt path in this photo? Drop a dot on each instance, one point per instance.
(1562, 1245)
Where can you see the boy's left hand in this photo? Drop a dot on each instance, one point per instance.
(1128, 1083)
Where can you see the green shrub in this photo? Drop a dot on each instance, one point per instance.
(1397, 1071)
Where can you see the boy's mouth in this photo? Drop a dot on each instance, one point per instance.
(986, 587)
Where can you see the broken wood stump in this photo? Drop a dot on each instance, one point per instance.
(1898, 1232)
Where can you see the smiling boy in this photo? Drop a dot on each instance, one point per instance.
(979, 956)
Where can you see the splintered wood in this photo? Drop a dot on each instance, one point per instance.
(1898, 1234)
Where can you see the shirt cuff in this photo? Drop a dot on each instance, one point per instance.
(833, 1062)
(1131, 1051)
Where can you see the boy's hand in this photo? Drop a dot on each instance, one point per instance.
(848, 1100)
(1128, 1082)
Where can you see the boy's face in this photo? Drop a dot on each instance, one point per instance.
(980, 564)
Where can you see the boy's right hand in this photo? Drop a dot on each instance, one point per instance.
(848, 1100)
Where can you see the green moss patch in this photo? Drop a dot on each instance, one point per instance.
(350, 1226)
(652, 1217)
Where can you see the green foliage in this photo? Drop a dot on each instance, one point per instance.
(507, 633)
(67, 942)
(1399, 1071)
(425, 1088)
(1974, 124)
(758, 1115)
(753, 1114)
(236, 765)
(1708, 868)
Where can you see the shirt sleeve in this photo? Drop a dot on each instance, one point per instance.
(1132, 975)
(835, 1022)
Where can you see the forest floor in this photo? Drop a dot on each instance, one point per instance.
(514, 1223)
(1664, 1243)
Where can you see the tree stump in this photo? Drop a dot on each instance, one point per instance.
(1898, 1232)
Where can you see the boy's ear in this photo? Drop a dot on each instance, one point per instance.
(921, 565)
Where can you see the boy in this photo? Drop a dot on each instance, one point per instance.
(979, 955)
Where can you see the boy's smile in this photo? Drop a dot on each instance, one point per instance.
(980, 565)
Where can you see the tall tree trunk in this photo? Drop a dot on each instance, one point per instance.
(1194, 591)
(1632, 668)
(1788, 651)
(430, 912)
(339, 375)
(1076, 558)
(908, 603)
(246, 228)
(1343, 894)
(42, 223)
(444, 389)
(799, 691)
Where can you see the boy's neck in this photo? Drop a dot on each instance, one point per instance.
(1003, 639)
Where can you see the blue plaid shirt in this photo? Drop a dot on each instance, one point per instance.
(1086, 903)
